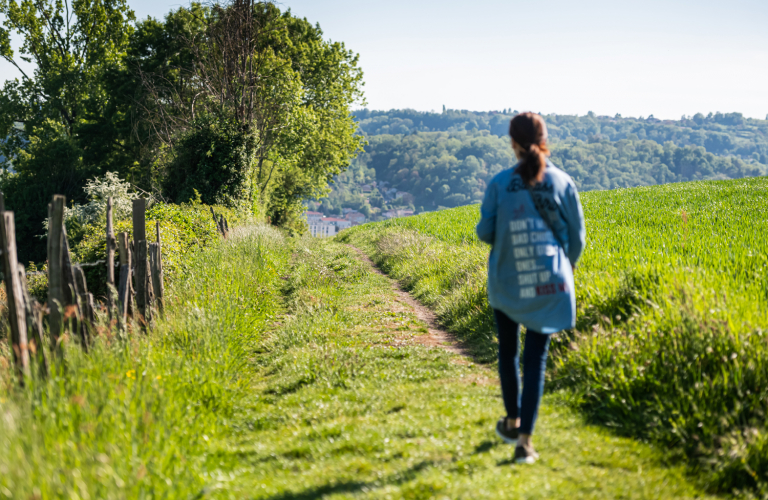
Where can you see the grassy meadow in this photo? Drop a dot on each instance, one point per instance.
(286, 368)
(348, 403)
(135, 417)
(289, 369)
(671, 344)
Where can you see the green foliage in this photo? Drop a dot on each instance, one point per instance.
(347, 403)
(671, 294)
(324, 137)
(72, 45)
(108, 96)
(446, 159)
(51, 164)
(184, 230)
(727, 134)
(136, 418)
(215, 160)
(449, 169)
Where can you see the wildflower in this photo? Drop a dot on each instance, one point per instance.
(131, 374)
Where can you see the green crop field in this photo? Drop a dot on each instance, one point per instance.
(671, 343)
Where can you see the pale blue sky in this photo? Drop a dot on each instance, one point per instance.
(660, 57)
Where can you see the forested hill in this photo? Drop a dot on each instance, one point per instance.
(718, 133)
(435, 160)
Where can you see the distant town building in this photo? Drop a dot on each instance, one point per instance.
(366, 188)
(313, 216)
(322, 229)
(321, 226)
(339, 223)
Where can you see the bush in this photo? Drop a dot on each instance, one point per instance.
(212, 160)
(184, 229)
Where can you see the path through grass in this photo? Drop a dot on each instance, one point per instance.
(670, 340)
(347, 403)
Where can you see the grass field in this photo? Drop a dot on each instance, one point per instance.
(287, 369)
(672, 294)
(347, 403)
(135, 418)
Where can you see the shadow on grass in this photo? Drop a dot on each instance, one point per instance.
(353, 486)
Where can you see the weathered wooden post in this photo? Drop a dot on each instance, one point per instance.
(34, 312)
(71, 291)
(143, 282)
(215, 220)
(221, 226)
(124, 294)
(56, 272)
(111, 245)
(143, 274)
(157, 271)
(17, 314)
(86, 314)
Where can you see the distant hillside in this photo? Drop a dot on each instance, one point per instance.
(436, 160)
(718, 133)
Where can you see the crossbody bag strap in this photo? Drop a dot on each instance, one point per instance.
(543, 214)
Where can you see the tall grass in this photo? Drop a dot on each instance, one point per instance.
(134, 418)
(670, 343)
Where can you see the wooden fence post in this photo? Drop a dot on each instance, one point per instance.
(124, 294)
(111, 245)
(56, 272)
(221, 226)
(215, 220)
(17, 313)
(34, 312)
(140, 249)
(86, 315)
(71, 291)
(144, 293)
(157, 271)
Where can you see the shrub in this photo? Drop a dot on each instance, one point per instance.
(214, 160)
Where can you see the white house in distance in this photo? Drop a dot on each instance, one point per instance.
(320, 226)
(339, 223)
(322, 230)
(313, 217)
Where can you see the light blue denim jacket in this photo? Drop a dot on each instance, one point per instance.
(530, 278)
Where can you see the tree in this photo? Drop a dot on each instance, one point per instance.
(72, 45)
(274, 79)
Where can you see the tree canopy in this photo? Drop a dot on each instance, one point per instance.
(240, 103)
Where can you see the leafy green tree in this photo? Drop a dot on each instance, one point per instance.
(72, 46)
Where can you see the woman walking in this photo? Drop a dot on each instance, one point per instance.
(532, 217)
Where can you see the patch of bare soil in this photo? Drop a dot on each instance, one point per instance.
(436, 336)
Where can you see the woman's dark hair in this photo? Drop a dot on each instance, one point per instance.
(529, 131)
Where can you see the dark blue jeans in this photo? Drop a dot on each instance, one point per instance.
(525, 405)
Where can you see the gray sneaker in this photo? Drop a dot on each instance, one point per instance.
(525, 455)
(509, 435)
